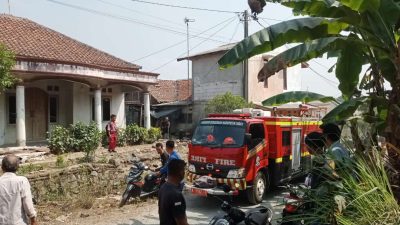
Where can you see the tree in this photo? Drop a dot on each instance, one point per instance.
(226, 103)
(6, 64)
(362, 32)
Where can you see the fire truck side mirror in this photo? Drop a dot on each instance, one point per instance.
(247, 138)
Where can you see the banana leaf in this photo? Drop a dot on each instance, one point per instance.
(296, 96)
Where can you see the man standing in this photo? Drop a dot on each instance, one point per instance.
(163, 155)
(165, 125)
(170, 146)
(111, 130)
(171, 203)
(16, 205)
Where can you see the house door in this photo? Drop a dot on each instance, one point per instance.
(35, 114)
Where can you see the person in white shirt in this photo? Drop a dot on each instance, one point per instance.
(16, 205)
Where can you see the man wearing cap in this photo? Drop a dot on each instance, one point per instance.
(16, 205)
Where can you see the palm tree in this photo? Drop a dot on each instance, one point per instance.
(357, 32)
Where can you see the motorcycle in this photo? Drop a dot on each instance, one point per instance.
(295, 206)
(235, 216)
(136, 187)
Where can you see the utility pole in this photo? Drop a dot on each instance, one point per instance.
(245, 20)
(187, 21)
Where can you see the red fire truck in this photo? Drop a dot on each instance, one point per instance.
(250, 154)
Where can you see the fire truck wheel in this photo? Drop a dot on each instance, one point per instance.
(255, 194)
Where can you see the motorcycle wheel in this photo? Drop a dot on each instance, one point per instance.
(125, 198)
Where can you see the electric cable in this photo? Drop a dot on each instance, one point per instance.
(181, 42)
(185, 7)
(181, 25)
(159, 67)
(128, 20)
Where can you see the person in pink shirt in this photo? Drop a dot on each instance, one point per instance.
(112, 134)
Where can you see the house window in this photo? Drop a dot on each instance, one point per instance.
(285, 138)
(285, 79)
(53, 109)
(106, 108)
(106, 103)
(12, 109)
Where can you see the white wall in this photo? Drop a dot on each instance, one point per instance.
(210, 81)
(81, 103)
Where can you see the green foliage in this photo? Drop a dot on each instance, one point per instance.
(359, 196)
(77, 137)
(85, 138)
(296, 96)
(226, 103)
(7, 62)
(154, 134)
(60, 162)
(121, 138)
(133, 134)
(59, 140)
(26, 169)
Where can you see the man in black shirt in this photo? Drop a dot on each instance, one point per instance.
(171, 203)
(163, 155)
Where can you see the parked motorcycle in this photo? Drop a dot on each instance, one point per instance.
(235, 216)
(136, 186)
(295, 206)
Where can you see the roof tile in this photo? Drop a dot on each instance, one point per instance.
(29, 40)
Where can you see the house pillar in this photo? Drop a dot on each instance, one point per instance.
(97, 108)
(147, 124)
(20, 108)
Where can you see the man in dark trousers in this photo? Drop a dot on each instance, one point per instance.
(171, 203)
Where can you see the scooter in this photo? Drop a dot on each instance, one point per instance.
(235, 216)
(136, 187)
(295, 206)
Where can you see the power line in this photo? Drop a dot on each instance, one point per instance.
(181, 42)
(128, 20)
(190, 49)
(234, 33)
(184, 7)
(149, 15)
(330, 82)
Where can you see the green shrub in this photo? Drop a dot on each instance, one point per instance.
(132, 134)
(59, 140)
(121, 138)
(143, 135)
(85, 138)
(104, 139)
(154, 134)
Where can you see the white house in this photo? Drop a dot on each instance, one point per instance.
(209, 80)
(63, 81)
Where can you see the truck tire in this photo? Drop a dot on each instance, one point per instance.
(256, 192)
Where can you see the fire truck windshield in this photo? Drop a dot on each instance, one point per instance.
(220, 133)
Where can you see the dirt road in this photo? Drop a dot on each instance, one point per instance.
(199, 210)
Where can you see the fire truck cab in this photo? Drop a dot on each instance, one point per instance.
(248, 153)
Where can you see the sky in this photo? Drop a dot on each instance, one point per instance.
(154, 36)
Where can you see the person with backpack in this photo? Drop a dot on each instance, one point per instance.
(111, 131)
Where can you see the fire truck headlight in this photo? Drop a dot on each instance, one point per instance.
(192, 168)
(239, 173)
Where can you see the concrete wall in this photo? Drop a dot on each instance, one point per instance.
(209, 81)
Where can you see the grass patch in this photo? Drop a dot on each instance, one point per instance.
(26, 169)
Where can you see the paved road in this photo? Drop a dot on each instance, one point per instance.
(200, 210)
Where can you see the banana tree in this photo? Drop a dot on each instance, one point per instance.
(358, 33)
